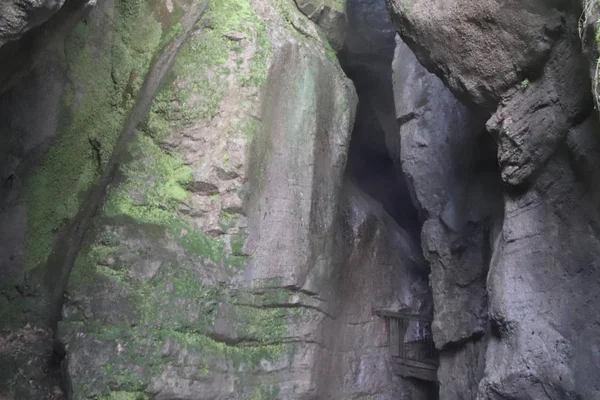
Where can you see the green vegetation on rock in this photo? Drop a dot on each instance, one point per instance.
(157, 283)
(105, 73)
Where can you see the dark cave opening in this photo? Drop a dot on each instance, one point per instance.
(374, 155)
(366, 58)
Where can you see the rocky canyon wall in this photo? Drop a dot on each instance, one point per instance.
(514, 296)
(176, 219)
(208, 200)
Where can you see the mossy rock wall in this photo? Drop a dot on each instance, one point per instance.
(168, 297)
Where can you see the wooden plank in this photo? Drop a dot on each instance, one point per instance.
(403, 315)
(394, 338)
(408, 371)
(416, 363)
(402, 329)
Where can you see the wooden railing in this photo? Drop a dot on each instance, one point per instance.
(412, 349)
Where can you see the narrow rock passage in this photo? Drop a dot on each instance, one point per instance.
(367, 59)
(385, 267)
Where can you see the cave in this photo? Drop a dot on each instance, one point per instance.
(367, 58)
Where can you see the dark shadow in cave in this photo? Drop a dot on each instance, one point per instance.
(367, 59)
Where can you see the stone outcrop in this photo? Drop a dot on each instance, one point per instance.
(40, 25)
(20, 16)
(521, 68)
(329, 15)
(460, 197)
(228, 257)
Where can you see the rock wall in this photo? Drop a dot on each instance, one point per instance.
(211, 249)
(460, 196)
(225, 230)
(381, 268)
(519, 66)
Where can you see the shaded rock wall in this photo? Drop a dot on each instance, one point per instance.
(329, 15)
(381, 268)
(446, 158)
(522, 65)
(373, 160)
(20, 16)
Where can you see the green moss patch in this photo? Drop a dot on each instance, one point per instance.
(106, 70)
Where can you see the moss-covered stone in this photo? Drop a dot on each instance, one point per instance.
(105, 71)
(149, 284)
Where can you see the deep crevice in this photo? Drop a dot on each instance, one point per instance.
(366, 58)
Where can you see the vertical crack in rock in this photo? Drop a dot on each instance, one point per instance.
(449, 163)
(380, 264)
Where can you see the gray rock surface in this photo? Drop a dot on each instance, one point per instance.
(543, 281)
(238, 256)
(588, 30)
(329, 15)
(443, 154)
(380, 269)
(481, 51)
(540, 250)
(19, 16)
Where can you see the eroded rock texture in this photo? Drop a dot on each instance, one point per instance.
(520, 63)
(329, 15)
(229, 257)
(446, 159)
(19, 16)
(381, 268)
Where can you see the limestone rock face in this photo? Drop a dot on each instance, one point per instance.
(228, 251)
(548, 242)
(19, 16)
(497, 249)
(329, 15)
(443, 155)
(381, 267)
(216, 241)
(457, 41)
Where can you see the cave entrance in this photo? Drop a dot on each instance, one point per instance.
(374, 165)
(373, 162)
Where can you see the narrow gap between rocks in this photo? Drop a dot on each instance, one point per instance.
(373, 159)
(367, 60)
